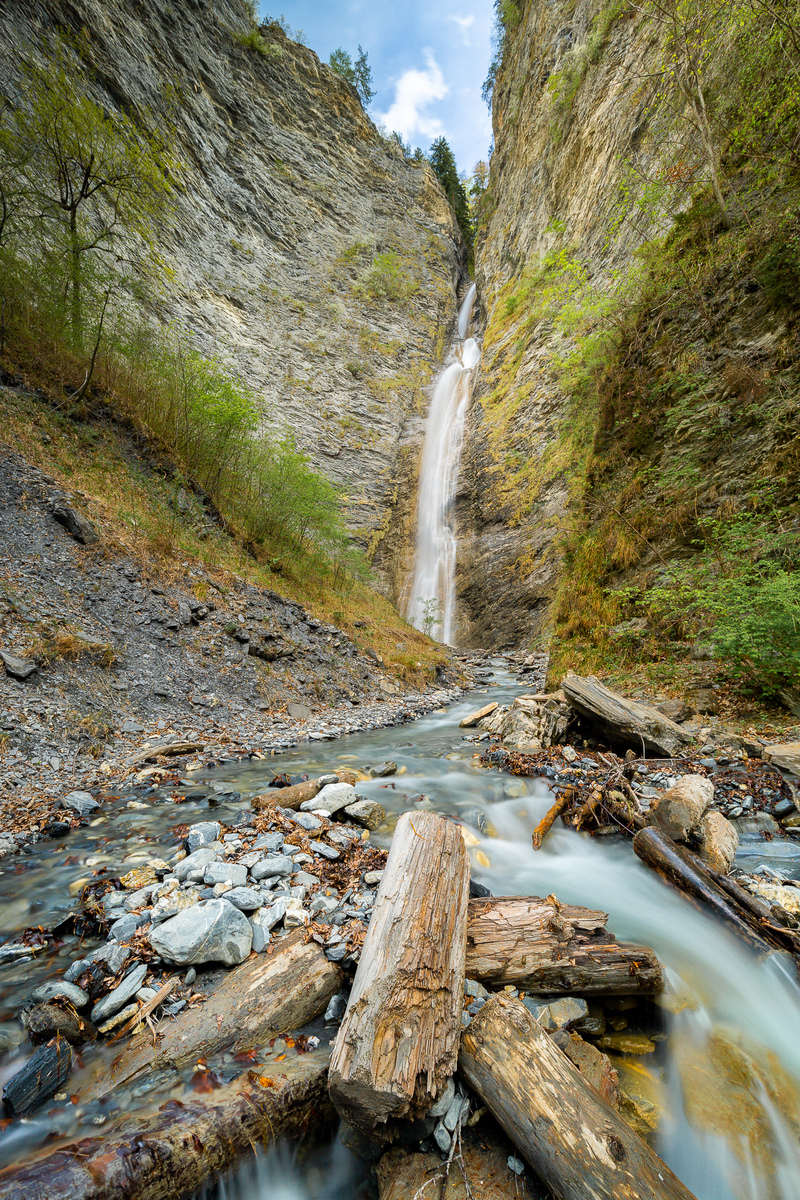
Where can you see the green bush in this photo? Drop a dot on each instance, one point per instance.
(387, 279)
(743, 591)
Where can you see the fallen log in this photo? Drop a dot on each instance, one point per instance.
(689, 875)
(545, 825)
(176, 1152)
(267, 994)
(293, 796)
(624, 721)
(758, 908)
(554, 949)
(478, 715)
(571, 1137)
(167, 749)
(398, 1042)
(43, 1075)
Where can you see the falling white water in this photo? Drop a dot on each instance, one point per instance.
(432, 589)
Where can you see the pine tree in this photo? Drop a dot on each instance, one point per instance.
(342, 64)
(363, 77)
(444, 166)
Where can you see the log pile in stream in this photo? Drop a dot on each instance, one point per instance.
(400, 1042)
(714, 893)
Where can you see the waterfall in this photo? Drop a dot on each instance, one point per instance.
(432, 587)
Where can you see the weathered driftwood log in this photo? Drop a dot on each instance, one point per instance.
(159, 751)
(554, 949)
(43, 1074)
(689, 875)
(270, 993)
(398, 1042)
(574, 1141)
(478, 715)
(292, 797)
(175, 1152)
(624, 721)
(788, 939)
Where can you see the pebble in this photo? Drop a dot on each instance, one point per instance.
(54, 988)
(336, 1009)
(119, 1019)
(516, 1165)
(325, 851)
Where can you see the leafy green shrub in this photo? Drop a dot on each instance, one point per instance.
(387, 279)
(743, 590)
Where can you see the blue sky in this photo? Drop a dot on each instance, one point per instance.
(429, 59)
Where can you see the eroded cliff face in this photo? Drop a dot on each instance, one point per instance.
(288, 194)
(555, 180)
(606, 425)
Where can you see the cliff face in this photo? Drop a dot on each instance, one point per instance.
(555, 181)
(289, 199)
(636, 376)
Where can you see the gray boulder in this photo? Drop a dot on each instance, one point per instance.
(225, 872)
(272, 865)
(214, 931)
(332, 797)
(198, 861)
(202, 834)
(82, 802)
(17, 668)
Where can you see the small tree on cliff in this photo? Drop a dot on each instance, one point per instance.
(342, 64)
(359, 73)
(363, 73)
(693, 33)
(87, 175)
(444, 165)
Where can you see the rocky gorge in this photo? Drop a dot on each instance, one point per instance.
(262, 868)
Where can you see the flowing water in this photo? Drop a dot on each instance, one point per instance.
(430, 598)
(726, 1075)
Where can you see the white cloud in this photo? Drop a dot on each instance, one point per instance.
(414, 91)
(464, 24)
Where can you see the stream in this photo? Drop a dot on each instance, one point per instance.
(725, 1077)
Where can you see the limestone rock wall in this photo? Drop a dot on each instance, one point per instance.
(556, 172)
(288, 193)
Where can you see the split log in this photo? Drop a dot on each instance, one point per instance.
(574, 1141)
(398, 1042)
(689, 875)
(545, 825)
(43, 1075)
(624, 721)
(175, 1153)
(292, 797)
(268, 994)
(554, 950)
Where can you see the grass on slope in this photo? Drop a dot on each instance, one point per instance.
(147, 511)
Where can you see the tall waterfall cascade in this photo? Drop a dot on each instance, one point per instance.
(430, 596)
